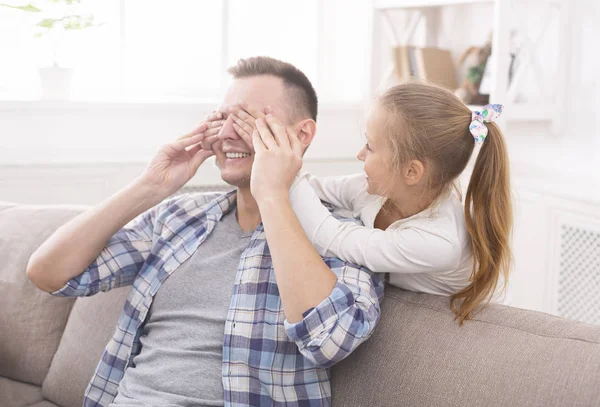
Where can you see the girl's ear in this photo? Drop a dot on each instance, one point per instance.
(306, 130)
(414, 171)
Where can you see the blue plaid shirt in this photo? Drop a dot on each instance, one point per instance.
(266, 360)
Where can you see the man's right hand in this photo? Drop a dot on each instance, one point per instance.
(75, 245)
(176, 162)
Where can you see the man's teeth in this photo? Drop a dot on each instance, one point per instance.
(237, 155)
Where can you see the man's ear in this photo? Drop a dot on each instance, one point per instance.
(306, 130)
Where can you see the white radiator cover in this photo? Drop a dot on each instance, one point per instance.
(578, 280)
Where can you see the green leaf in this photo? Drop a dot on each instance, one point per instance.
(47, 23)
(38, 35)
(72, 25)
(77, 22)
(29, 8)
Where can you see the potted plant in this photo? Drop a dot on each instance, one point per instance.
(56, 18)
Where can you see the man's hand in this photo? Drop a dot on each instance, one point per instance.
(277, 160)
(214, 121)
(177, 162)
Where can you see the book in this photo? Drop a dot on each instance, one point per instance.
(430, 64)
(413, 63)
(401, 60)
(435, 65)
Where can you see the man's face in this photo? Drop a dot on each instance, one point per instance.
(234, 156)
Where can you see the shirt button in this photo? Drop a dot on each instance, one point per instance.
(234, 324)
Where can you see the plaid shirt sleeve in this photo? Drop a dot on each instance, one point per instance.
(334, 328)
(121, 259)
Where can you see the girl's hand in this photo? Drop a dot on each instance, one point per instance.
(244, 119)
(176, 162)
(277, 159)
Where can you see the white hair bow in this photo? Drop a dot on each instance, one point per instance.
(477, 127)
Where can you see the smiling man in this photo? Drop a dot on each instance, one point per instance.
(207, 322)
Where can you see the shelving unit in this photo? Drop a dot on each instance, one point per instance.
(506, 13)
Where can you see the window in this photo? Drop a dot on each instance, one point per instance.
(178, 51)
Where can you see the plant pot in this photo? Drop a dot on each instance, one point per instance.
(55, 82)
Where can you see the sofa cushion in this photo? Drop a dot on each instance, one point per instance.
(91, 325)
(18, 394)
(419, 356)
(32, 321)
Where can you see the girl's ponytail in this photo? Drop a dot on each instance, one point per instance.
(488, 213)
(441, 131)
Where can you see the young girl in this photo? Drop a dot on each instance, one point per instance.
(419, 140)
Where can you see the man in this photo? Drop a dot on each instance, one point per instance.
(181, 256)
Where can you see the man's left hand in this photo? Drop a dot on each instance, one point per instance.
(277, 160)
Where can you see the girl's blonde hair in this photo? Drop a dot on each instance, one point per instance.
(430, 124)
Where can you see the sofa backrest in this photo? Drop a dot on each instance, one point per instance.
(31, 321)
(420, 356)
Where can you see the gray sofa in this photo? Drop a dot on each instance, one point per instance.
(418, 356)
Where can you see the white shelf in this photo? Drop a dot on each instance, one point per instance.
(395, 4)
(427, 14)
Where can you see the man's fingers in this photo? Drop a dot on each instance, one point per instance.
(214, 115)
(200, 129)
(212, 132)
(212, 120)
(265, 134)
(208, 142)
(278, 129)
(199, 157)
(215, 123)
(188, 141)
(194, 149)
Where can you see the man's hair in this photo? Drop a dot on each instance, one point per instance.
(301, 94)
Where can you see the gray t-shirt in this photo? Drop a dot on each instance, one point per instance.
(182, 342)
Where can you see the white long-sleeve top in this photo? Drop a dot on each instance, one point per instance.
(428, 252)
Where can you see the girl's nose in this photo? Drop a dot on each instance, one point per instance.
(361, 154)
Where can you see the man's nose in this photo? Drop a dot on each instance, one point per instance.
(227, 131)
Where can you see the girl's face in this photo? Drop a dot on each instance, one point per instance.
(377, 157)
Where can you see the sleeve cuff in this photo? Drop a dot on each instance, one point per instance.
(308, 208)
(65, 291)
(73, 288)
(318, 321)
(302, 174)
